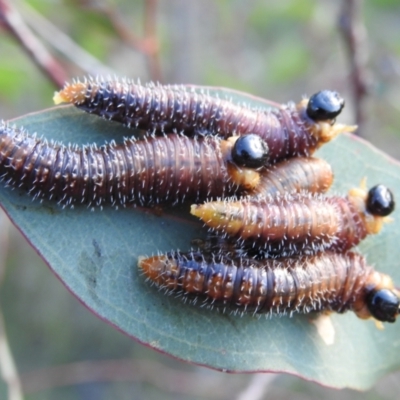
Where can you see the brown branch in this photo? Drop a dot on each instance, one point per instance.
(148, 45)
(150, 31)
(123, 31)
(158, 375)
(16, 26)
(355, 38)
(4, 243)
(63, 43)
(8, 370)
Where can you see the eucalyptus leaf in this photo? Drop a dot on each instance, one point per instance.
(95, 253)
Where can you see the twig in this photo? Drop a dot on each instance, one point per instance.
(8, 370)
(4, 243)
(64, 44)
(150, 24)
(7, 366)
(38, 53)
(355, 38)
(148, 45)
(122, 30)
(257, 387)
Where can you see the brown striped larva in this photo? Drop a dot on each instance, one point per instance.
(292, 130)
(299, 223)
(298, 174)
(325, 282)
(155, 170)
(166, 169)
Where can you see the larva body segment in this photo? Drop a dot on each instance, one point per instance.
(309, 174)
(290, 224)
(163, 169)
(288, 131)
(327, 281)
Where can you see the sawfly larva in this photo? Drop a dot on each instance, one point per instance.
(291, 130)
(155, 170)
(308, 174)
(299, 223)
(325, 282)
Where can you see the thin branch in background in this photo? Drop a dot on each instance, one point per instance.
(355, 38)
(150, 31)
(64, 44)
(12, 20)
(7, 366)
(8, 370)
(148, 45)
(258, 387)
(4, 243)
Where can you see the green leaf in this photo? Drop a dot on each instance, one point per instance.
(94, 253)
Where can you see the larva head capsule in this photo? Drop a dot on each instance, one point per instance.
(380, 201)
(325, 105)
(373, 205)
(244, 160)
(319, 113)
(250, 151)
(379, 299)
(383, 304)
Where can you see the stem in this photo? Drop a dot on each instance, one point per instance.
(355, 38)
(16, 26)
(64, 44)
(8, 370)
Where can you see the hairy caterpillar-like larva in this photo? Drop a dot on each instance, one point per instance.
(292, 130)
(309, 174)
(154, 170)
(327, 281)
(299, 223)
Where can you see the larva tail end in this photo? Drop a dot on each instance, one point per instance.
(220, 215)
(206, 212)
(152, 266)
(141, 259)
(74, 93)
(59, 99)
(195, 209)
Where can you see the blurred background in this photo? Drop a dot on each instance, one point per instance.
(276, 50)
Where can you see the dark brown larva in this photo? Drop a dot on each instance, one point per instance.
(327, 281)
(163, 169)
(293, 130)
(292, 224)
(309, 174)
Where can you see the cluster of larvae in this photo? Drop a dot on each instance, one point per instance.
(279, 244)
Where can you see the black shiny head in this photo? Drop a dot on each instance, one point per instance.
(383, 305)
(250, 151)
(380, 201)
(324, 105)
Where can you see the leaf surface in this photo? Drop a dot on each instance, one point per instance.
(94, 253)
